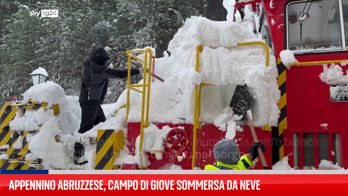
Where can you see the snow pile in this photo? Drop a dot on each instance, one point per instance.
(328, 165)
(333, 75)
(288, 58)
(51, 93)
(42, 145)
(31, 120)
(222, 64)
(282, 164)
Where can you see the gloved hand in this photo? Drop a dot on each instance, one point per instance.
(253, 150)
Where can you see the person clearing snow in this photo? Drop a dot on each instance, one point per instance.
(93, 90)
(227, 156)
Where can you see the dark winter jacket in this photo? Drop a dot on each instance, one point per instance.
(96, 74)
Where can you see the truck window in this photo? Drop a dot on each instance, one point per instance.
(314, 26)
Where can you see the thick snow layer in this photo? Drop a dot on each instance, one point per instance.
(31, 120)
(42, 145)
(49, 92)
(282, 164)
(202, 31)
(222, 65)
(288, 58)
(333, 75)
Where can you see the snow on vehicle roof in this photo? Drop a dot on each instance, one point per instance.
(222, 64)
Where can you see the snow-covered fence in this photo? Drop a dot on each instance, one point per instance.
(14, 143)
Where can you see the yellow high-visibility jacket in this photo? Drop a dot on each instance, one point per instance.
(243, 164)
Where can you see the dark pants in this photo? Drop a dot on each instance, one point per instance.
(92, 114)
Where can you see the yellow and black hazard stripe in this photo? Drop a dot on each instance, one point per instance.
(11, 152)
(109, 145)
(277, 132)
(7, 113)
(25, 145)
(20, 165)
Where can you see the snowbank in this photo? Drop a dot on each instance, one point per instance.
(222, 66)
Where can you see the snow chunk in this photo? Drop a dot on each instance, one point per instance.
(324, 125)
(153, 143)
(288, 58)
(282, 164)
(339, 93)
(328, 165)
(333, 75)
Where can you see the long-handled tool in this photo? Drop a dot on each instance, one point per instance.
(241, 103)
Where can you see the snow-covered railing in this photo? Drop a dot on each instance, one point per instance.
(147, 63)
(309, 63)
(198, 90)
(15, 142)
(33, 105)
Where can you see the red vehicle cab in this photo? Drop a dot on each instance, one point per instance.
(312, 127)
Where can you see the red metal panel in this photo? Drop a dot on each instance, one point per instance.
(206, 139)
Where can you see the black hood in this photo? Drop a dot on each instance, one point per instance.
(99, 55)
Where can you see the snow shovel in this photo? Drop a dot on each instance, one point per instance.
(241, 103)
